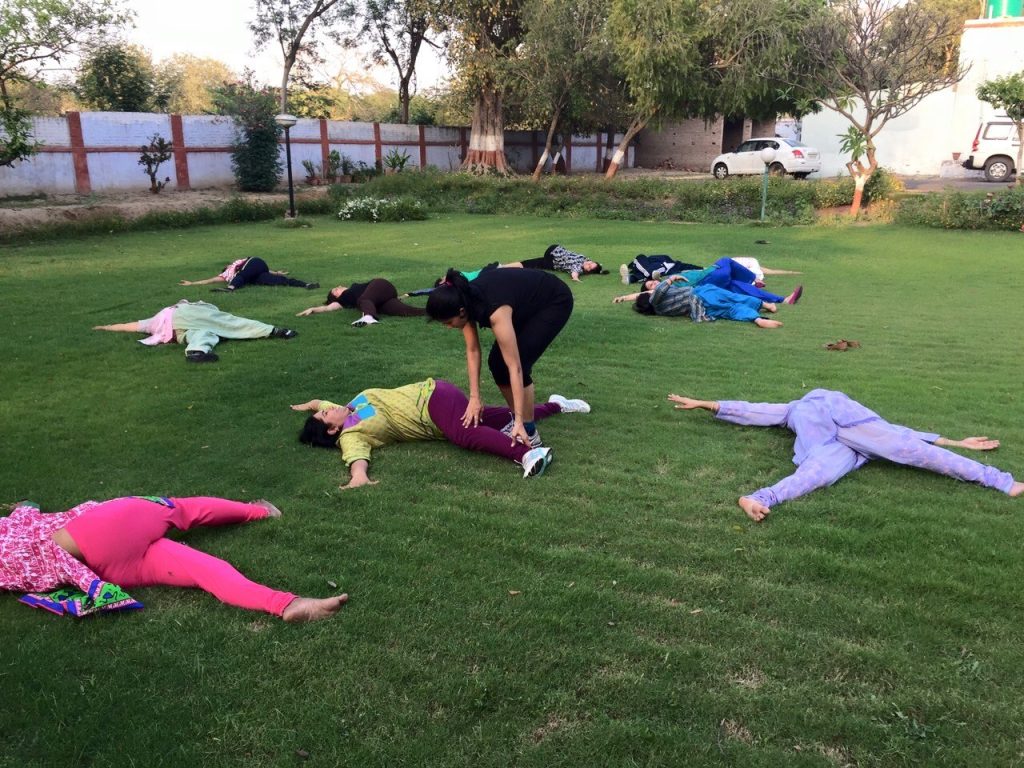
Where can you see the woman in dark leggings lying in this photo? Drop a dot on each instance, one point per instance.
(377, 297)
(252, 271)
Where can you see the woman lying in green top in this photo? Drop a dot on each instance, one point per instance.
(426, 410)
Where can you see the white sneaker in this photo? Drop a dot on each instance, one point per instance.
(570, 406)
(624, 274)
(535, 441)
(365, 320)
(536, 461)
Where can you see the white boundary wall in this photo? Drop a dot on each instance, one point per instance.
(99, 151)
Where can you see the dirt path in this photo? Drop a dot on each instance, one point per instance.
(16, 215)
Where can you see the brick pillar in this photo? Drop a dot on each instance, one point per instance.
(597, 151)
(378, 155)
(325, 145)
(180, 153)
(534, 152)
(463, 144)
(567, 150)
(83, 185)
(423, 147)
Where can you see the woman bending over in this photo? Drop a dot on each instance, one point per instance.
(526, 309)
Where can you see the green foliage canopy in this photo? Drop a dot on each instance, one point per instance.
(118, 78)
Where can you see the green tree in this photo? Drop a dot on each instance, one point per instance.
(296, 26)
(872, 61)
(33, 35)
(398, 29)
(486, 36)
(187, 83)
(659, 57)
(563, 60)
(118, 78)
(255, 158)
(1007, 93)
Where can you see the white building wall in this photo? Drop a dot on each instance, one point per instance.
(932, 138)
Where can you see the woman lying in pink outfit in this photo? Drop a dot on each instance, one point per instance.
(122, 542)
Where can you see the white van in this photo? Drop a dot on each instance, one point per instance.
(994, 149)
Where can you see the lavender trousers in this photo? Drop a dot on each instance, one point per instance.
(448, 403)
(836, 435)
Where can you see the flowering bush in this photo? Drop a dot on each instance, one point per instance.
(382, 209)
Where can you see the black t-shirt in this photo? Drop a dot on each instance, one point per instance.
(351, 295)
(527, 291)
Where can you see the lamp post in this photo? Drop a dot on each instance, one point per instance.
(767, 157)
(287, 121)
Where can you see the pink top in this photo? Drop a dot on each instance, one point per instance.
(159, 326)
(30, 560)
(232, 269)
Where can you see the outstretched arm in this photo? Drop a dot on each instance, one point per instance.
(628, 297)
(689, 403)
(358, 475)
(332, 307)
(207, 281)
(779, 271)
(971, 443)
(120, 327)
(312, 405)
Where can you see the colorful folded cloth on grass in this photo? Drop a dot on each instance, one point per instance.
(102, 598)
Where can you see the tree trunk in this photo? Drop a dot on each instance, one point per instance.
(403, 98)
(487, 137)
(289, 62)
(620, 153)
(547, 147)
(861, 173)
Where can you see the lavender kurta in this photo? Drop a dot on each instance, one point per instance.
(836, 435)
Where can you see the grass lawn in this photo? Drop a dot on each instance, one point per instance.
(618, 611)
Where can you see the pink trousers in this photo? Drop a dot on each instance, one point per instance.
(122, 540)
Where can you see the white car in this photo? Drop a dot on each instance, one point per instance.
(790, 157)
(994, 149)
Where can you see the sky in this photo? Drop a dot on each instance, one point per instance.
(218, 29)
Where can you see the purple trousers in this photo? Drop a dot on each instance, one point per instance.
(448, 403)
(836, 435)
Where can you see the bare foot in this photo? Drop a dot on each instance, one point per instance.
(272, 511)
(764, 322)
(303, 609)
(769, 306)
(755, 510)
(1017, 489)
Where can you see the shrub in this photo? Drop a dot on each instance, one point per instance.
(882, 186)
(964, 210)
(382, 209)
(155, 154)
(255, 158)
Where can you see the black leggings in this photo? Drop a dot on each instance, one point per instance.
(546, 261)
(533, 335)
(256, 272)
(381, 298)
